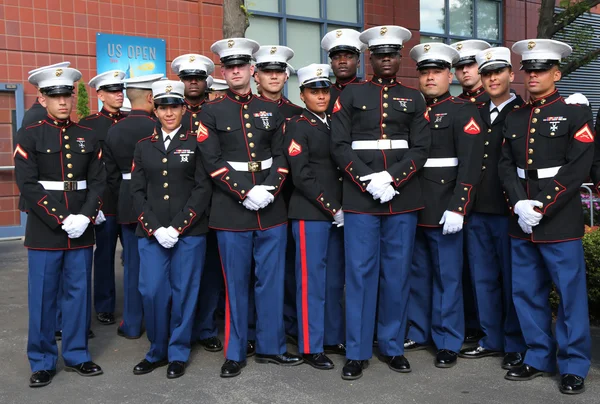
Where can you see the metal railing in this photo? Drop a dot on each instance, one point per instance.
(588, 187)
(7, 168)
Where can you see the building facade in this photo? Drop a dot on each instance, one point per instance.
(34, 33)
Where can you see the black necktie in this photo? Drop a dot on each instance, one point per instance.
(494, 114)
(167, 141)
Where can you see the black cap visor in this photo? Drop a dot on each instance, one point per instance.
(57, 90)
(539, 64)
(317, 84)
(169, 101)
(236, 60)
(343, 48)
(276, 66)
(465, 61)
(112, 87)
(493, 66)
(381, 49)
(433, 63)
(199, 74)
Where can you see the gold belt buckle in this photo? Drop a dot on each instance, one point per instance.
(254, 166)
(70, 186)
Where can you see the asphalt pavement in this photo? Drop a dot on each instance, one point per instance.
(469, 382)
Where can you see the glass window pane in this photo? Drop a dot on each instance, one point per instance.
(304, 8)
(432, 16)
(455, 89)
(427, 38)
(342, 10)
(293, 91)
(461, 17)
(271, 6)
(264, 30)
(488, 17)
(302, 37)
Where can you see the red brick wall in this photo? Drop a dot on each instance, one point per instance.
(9, 214)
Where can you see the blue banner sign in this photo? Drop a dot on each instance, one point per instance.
(136, 56)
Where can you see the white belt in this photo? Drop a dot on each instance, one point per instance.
(126, 176)
(380, 144)
(541, 172)
(63, 185)
(251, 166)
(442, 162)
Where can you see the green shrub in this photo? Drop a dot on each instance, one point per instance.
(83, 101)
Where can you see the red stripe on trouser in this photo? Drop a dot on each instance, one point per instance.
(304, 264)
(227, 309)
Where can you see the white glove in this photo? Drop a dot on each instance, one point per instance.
(338, 218)
(378, 183)
(453, 222)
(525, 211)
(100, 218)
(248, 204)
(388, 194)
(577, 98)
(173, 233)
(524, 226)
(260, 195)
(76, 226)
(164, 238)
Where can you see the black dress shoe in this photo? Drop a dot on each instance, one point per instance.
(512, 360)
(58, 335)
(524, 372)
(572, 384)
(91, 334)
(232, 368)
(318, 361)
(473, 335)
(146, 366)
(339, 349)
(445, 358)
(478, 352)
(85, 369)
(250, 348)
(284, 359)
(397, 363)
(106, 318)
(176, 369)
(212, 344)
(41, 378)
(353, 369)
(411, 346)
(121, 333)
(291, 339)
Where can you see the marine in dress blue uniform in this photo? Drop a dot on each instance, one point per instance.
(486, 237)
(547, 154)
(109, 87)
(448, 180)
(59, 172)
(317, 217)
(344, 48)
(171, 194)
(241, 142)
(119, 149)
(380, 139)
(467, 74)
(270, 74)
(194, 71)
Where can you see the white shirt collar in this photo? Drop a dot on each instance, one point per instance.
(165, 134)
(505, 103)
(324, 120)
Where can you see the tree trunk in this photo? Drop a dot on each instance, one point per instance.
(546, 19)
(235, 19)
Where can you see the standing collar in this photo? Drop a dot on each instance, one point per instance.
(473, 93)
(339, 83)
(112, 115)
(438, 100)
(58, 122)
(241, 98)
(382, 81)
(194, 107)
(542, 101)
(513, 96)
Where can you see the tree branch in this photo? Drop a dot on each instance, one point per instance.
(580, 61)
(235, 19)
(548, 27)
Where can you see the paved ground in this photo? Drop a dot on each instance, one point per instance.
(479, 381)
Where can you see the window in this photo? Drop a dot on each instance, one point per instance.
(452, 21)
(301, 25)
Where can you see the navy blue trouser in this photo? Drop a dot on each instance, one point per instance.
(169, 284)
(104, 265)
(268, 249)
(488, 246)
(47, 270)
(133, 310)
(535, 266)
(436, 300)
(378, 251)
(319, 274)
